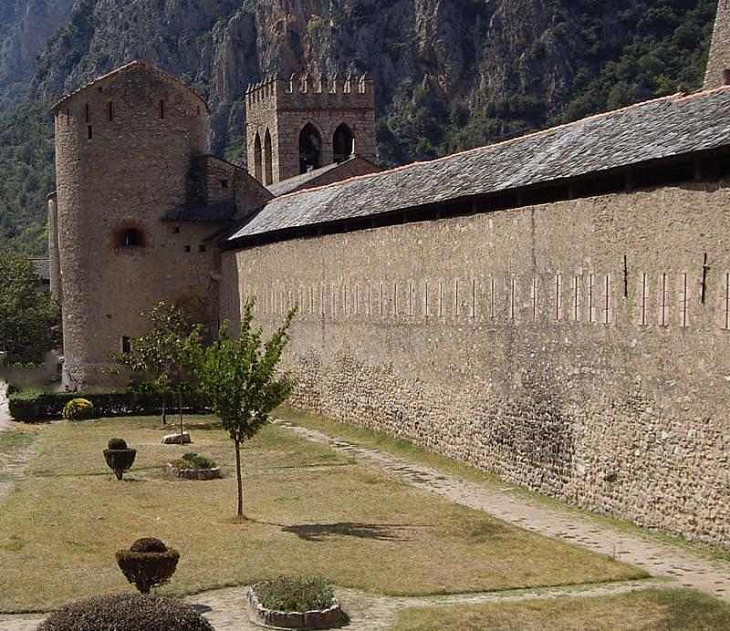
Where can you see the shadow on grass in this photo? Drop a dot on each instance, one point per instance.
(320, 532)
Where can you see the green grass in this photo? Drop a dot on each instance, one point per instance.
(310, 511)
(406, 449)
(647, 610)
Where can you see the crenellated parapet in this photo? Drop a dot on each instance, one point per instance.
(311, 91)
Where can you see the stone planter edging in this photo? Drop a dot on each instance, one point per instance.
(194, 474)
(330, 618)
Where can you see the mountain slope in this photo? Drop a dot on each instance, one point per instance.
(450, 74)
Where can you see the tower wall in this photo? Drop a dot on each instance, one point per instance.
(284, 108)
(124, 146)
(718, 63)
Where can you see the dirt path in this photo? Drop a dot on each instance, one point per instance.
(683, 566)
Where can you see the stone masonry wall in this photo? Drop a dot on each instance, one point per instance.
(565, 347)
(283, 110)
(124, 147)
(718, 63)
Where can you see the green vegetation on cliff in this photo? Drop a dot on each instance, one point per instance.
(450, 76)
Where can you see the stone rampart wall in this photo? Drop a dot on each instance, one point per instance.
(579, 348)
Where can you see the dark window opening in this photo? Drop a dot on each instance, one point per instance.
(224, 183)
(126, 345)
(201, 248)
(726, 77)
(600, 185)
(89, 132)
(310, 149)
(162, 109)
(187, 248)
(257, 158)
(268, 160)
(131, 238)
(715, 167)
(110, 110)
(176, 230)
(343, 143)
(197, 110)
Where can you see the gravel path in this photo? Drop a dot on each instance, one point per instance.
(682, 565)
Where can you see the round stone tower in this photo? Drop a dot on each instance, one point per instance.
(718, 63)
(125, 144)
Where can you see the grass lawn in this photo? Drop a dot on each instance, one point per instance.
(406, 449)
(648, 610)
(311, 511)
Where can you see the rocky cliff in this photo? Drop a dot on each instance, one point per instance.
(449, 73)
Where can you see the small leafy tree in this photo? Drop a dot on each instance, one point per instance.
(240, 378)
(29, 319)
(164, 352)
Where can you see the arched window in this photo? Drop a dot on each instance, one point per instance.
(310, 149)
(130, 238)
(268, 159)
(343, 143)
(257, 158)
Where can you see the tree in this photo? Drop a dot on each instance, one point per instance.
(29, 319)
(164, 352)
(241, 380)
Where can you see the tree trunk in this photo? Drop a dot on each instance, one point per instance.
(164, 410)
(239, 478)
(179, 407)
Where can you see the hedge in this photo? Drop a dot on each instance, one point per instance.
(43, 406)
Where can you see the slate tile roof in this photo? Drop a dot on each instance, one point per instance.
(658, 129)
(293, 183)
(222, 211)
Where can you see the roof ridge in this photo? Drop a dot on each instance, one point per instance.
(677, 96)
(123, 68)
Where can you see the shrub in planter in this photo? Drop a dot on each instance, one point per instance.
(194, 461)
(78, 410)
(148, 563)
(287, 593)
(126, 612)
(295, 603)
(195, 467)
(119, 457)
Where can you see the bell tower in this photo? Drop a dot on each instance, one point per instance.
(718, 63)
(305, 123)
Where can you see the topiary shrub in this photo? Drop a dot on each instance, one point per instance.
(148, 563)
(119, 458)
(116, 444)
(79, 410)
(126, 612)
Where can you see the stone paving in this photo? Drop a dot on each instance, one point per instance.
(226, 608)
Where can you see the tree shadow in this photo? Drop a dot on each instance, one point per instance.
(320, 532)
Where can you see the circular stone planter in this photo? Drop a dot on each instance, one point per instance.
(330, 618)
(194, 474)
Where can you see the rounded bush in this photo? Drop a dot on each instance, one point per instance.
(78, 410)
(148, 563)
(148, 544)
(120, 460)
(126, 612)
(117, 443)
